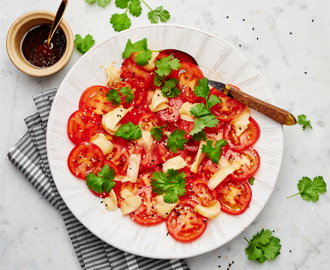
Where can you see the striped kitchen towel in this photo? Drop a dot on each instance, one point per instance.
(29, 155)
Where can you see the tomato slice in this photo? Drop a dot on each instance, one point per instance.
(94, 98)
(146, 214)
(248, 138)
(188, 76)
(198, 191)
(234, 197)
(84, 158)
(184, 224)
(182, 56)
(135, 75)
(227, 109)
(250, 161)
(208, 169)
(149, 159)
(171, 113)
(119, 157)
(80, 122)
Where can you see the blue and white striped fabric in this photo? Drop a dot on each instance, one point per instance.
(29, 155)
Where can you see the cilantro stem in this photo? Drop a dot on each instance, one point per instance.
(146, 4)
(293, 195)
(247, 240)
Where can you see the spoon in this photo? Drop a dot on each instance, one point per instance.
(57, 20)
(279, 115)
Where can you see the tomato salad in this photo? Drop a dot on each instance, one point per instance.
(162, 146)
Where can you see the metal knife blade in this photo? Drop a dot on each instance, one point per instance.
(279, 115)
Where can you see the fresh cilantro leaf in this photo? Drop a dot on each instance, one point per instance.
(140, 46)
(123, 4)
(203, 122)
(199, 136)
(202, 88)
(158, 81)
(310, 190)
(157, 132)
(172, 184)
(165, 65)
(84, 44)
(103, 181)
(213, 100)
(199, 110)
(176, 140)
(263, 246)
(113, 97)
(302, 120)
(126, 91)
(120, 22)
(169, 89)
(129, 131)
(135, 8)
(251, 180)
(158, 14)
(101, 3)
(211, 152)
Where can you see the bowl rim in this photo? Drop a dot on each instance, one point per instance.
(16, 57)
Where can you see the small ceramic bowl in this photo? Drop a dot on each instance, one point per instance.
(18, 30)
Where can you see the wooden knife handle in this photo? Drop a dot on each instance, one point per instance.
(279, 115)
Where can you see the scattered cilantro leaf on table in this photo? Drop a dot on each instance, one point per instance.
(172, 184)
(103, 181)
(302, 120)
(101, 3)
(213, 152)
(83, 44)
(176, 140)
(309, 190)
(129, 131)
(120, 22)
(113, 97)
(126, 91)
(263, 246)
(157, 132)
(158, 14)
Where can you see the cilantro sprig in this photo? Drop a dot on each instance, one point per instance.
(129, 131)
(114, 97)
(157, 132)
(172, 184)
(302, 120)
(83, 44)
(213, 152)
(127, 93)
(101, 3)
(176, 140)
(122, 22)
(263, 246)
(204, 117)
(103, 181)
(309, 190)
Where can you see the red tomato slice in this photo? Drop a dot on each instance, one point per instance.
(171, 114)
(182, 56)
(198, 191)
(79, 122)
(184, 224)
(227, 109)
(135, 75)
(208, 169)
(133, 116)
(250, 160)
(189, 74)
(248, 138)
(94, 98)
(149, 159)
(164, 154)
(85, 158)
(146, 214)
(234, 197)
(119, 157)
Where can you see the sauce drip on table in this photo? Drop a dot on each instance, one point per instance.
(35, 50)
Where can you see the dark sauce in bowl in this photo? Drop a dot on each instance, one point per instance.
(35, 50)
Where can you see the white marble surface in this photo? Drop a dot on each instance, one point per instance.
(288, 40)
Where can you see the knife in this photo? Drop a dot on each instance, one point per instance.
(279, 115)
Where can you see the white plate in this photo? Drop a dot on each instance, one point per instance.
(219, 61)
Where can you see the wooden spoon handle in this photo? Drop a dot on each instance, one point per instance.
(279, 115)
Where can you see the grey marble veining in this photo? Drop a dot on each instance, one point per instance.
(288, 40)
